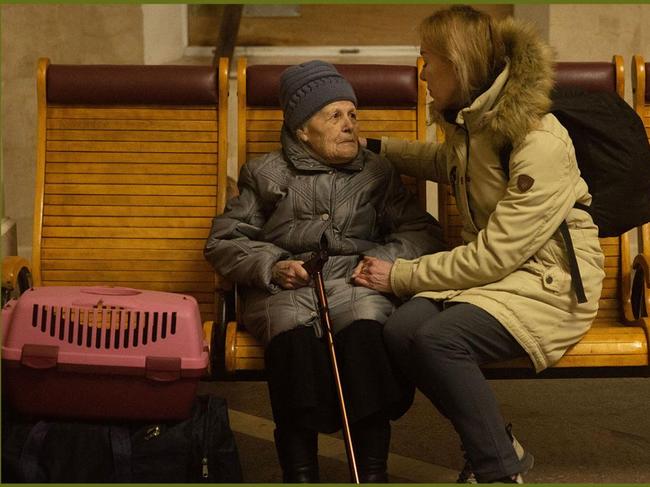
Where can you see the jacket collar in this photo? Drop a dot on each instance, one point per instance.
(474, 116)
(305, 160)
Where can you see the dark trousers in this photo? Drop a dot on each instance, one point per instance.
(440, 352)
(304, 399)
(301, 383)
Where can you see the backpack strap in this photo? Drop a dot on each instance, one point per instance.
(576, 278)
(574, 269)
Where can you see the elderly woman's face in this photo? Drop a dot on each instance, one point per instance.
(332, 132)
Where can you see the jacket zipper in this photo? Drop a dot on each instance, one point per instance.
(462, 180)
(332, 198)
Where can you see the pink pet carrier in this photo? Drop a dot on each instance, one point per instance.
(102, 353)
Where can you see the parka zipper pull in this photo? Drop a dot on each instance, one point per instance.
(204, 467)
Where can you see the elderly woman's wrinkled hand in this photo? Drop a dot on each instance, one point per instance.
(373, 273)
(289, 274)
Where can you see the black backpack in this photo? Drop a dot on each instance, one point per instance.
(200, 448)
(613, 155)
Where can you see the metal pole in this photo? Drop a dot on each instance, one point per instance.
(314, 267)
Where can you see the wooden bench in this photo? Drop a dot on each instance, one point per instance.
(130, 170)
(616, 345)
(641, 97)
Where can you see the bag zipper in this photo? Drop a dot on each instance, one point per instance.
(205, 472)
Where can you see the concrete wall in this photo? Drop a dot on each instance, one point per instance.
(596, 32)
(593, 32)
(67, 34)
(164, 32)
(154, 34)
(324, 25)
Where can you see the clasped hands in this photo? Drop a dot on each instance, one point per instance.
(290, 274)
(370, 272)
(373, 273)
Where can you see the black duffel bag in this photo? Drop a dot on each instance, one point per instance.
(199, 449)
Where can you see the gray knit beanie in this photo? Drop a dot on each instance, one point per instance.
(306, 88)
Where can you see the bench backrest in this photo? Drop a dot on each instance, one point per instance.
(131, 168)
(641, 95)
(590, 76)
(392, 101)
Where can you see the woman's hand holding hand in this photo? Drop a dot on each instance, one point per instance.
(373, 273)
(289, 274)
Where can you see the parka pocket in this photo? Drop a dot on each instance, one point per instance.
(556, 280)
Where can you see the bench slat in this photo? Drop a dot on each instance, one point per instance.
(362, 114)
(126, 233)
(169, 181)
(174, 147)
(124, 168)
(172, 287)
(135, 200)
(122, 254)
(132, 125)
(126, 265)
(71, 242)
(90, 190)
(133, 157)
(133, 113)
(125, 221)
(94, 275)
(129, 211)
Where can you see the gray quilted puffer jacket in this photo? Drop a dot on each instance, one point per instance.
(289, 205)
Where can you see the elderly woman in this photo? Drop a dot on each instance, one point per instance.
(320, 190)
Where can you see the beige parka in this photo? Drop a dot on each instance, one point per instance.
(514, 264)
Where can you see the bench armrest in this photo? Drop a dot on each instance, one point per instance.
(16, 277)
(640, 293)
(215, 331)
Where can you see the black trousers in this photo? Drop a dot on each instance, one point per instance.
(440, 352)
(301, 383)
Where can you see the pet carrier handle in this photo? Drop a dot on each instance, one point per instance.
(111, 291)
(163, 369)
(103, 291)
(39, 356)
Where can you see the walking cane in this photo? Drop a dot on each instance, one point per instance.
(314, 267)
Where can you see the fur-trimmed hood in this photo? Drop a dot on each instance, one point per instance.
(525, 97)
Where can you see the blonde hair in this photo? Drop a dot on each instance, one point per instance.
(471, 42)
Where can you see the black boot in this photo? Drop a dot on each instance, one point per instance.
(371, 439)
(298, 454)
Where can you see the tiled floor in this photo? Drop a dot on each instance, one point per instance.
(580, 431)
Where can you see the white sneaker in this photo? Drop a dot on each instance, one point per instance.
(466, 475)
